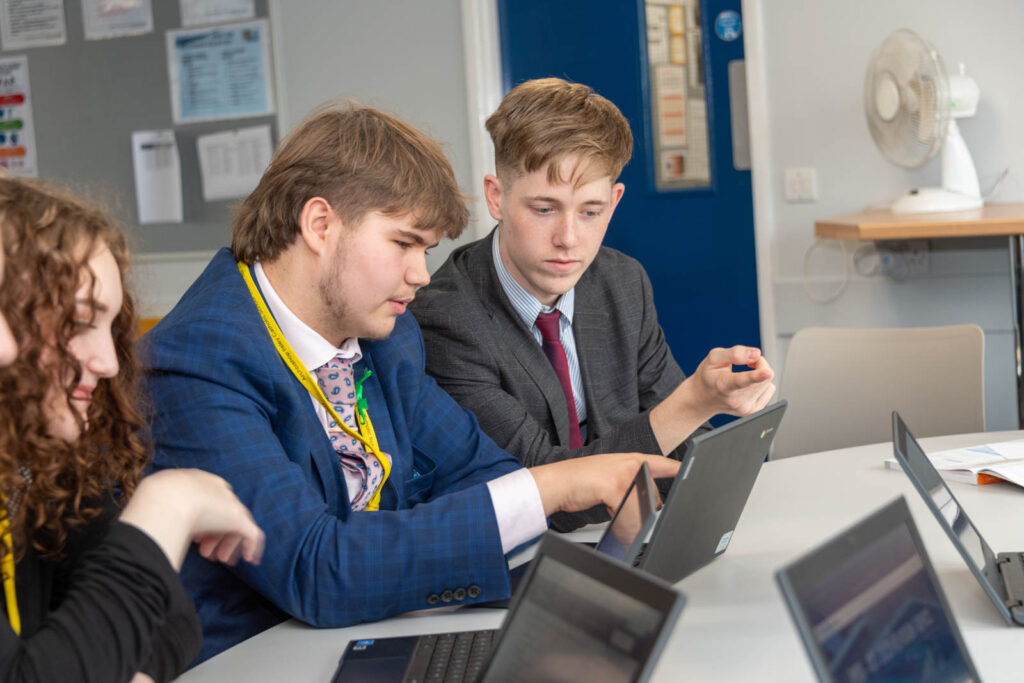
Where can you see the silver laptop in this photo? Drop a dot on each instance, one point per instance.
(1002, 575)
(578, 615)
(869, 608)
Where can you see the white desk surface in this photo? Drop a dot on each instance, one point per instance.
(735, 626)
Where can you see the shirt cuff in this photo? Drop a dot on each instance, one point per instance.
(518, 508)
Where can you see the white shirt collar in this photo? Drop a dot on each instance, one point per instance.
(312, 349)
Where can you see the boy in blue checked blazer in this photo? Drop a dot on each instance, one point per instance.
(377, 492)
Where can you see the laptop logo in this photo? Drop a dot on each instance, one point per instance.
(724, 543)
(766, 431)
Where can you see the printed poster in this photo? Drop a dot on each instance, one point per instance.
(220, 73)
(232, 163)
(157, 167)
(200, 12)
(32, 23)
(116, 18)
(17, 131)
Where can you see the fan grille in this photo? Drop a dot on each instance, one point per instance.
(906, 99)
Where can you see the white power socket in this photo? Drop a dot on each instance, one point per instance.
(801, 184)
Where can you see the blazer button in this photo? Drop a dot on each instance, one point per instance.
(474, 591)
(446, 596)
(433, 599)
(460, 594)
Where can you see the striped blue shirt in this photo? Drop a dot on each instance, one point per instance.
(527, 307)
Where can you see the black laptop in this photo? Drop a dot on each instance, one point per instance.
(869, 607)
(1002, 575)
(578, 615)
(708, 495)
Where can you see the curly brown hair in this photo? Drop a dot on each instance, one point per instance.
(51, 486)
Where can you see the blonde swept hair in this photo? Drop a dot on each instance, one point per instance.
(545, 121)
(360, 160)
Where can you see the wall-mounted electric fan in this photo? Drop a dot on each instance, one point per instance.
(912, 105)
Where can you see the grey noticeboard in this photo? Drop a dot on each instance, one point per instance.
(87, 99)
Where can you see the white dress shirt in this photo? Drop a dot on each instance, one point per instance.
(515, 497)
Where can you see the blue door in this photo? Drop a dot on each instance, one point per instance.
(695, 237)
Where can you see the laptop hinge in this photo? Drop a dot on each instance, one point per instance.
(1013, 578)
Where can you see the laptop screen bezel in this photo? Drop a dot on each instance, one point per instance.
(995, 590)
(647, 589)
(810, 567)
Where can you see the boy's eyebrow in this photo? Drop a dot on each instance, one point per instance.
(417, 238)
(558, 202)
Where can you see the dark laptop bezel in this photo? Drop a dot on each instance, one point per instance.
(645, 588)
(988, 576)
(705, 481)
(810, 567)
(644, 485)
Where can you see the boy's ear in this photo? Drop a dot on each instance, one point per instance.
(493, 194)
(314, 218)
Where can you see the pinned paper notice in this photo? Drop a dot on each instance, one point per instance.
(232, 162)
(32, 23)
(116, 18)
(157, 176)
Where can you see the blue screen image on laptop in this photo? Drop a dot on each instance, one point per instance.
(878, 618)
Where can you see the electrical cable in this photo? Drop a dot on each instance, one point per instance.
(842, 285)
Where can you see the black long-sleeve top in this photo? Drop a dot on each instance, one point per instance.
(110, 607)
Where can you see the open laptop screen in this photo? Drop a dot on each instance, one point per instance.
(927, 478)
(870, 609)
(571, 624)
(629, 525)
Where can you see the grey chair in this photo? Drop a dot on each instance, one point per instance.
(842, 385)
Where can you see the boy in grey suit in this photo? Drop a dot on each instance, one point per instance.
(549, 338)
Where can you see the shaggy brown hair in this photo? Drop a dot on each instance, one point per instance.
(51, 486)
(360, 160)
(547, 120)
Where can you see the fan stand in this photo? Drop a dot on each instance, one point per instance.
(960, 190)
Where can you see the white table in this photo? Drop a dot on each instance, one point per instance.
(734, 626)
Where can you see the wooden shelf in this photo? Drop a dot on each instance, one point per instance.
(882, 224)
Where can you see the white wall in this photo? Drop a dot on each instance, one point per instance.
(404, 56)
(813, 56)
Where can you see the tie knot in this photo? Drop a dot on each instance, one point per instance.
(547, 323)
(336, 378)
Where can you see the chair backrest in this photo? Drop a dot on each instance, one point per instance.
(843, 384)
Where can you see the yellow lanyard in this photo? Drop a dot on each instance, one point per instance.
(7, 567)
(368, 438)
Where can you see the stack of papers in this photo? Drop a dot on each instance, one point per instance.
(980, 464)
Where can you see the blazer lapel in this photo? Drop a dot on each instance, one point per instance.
(515, 336)
(590, 324)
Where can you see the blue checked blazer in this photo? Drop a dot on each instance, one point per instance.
(223, 401)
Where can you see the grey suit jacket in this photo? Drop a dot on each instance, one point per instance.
(481, 352)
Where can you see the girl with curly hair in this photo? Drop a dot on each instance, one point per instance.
(89, 547)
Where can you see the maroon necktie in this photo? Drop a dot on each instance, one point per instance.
(547, 323)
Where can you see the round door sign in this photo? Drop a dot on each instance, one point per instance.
(728, 25)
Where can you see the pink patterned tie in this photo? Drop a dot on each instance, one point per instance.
(336, 378)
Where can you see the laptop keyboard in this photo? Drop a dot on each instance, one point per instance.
(450, 657)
